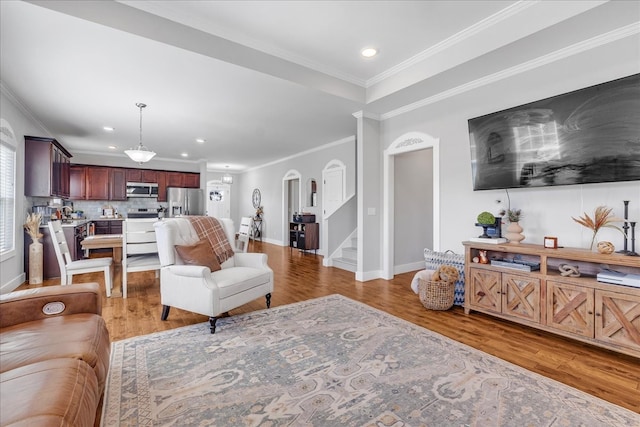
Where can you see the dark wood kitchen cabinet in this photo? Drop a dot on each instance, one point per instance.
(104, 183)
(118, 184)
(47, 168)
(162, 186)
(147, 176)
(78, 182)
(175, 179)
(191, 180)
(183, 179)
(97, 178)
(91, 182)
(108, 226)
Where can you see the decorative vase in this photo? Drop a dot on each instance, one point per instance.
(36, 262)
(514, 233)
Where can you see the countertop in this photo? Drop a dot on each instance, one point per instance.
(108, 218)
(71, 223)
(82, 221)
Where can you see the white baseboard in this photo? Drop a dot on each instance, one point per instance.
(364, 276)
(405, 268)
(13, 284)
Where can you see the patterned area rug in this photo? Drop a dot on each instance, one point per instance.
(331, 361)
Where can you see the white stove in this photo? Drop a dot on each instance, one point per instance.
(142, 213)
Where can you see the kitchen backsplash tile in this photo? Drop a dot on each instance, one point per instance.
(93, 208)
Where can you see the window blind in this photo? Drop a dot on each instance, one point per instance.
(7, 197)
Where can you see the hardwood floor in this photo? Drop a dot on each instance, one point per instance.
(608, 375)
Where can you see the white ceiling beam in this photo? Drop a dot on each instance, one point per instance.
(135, 21)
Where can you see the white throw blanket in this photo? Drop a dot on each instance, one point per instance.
(422, 274)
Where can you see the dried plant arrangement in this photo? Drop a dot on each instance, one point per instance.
(32, 225)
(602, 218)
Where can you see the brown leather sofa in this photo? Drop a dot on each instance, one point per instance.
(54, 356)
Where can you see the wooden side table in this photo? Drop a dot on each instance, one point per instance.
(256, 229)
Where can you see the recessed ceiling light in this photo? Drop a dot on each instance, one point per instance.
(200, 140)
(369, 52)
(185, 154)
(113, 147)
(108, 128)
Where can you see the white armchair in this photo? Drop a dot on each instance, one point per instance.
(242, 278)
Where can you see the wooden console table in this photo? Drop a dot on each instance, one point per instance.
(602, 314)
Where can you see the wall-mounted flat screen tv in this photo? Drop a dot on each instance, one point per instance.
(586, 136)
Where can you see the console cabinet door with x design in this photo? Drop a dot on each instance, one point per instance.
(508, 294)
(570, 308)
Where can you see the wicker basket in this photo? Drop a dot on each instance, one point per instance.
(436, 295)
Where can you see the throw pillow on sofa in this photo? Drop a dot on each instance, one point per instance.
(198, 254)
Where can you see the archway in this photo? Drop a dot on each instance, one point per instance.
(412, 141)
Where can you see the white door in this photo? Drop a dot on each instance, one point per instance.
(218, 200)
(333, 190)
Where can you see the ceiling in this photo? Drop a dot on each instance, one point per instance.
(258, 80)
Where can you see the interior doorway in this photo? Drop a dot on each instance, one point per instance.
(294, 197)
(408, 142)
(291, 197)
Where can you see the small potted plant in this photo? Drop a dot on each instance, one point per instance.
(485, 220)
(514, 230)
(513, 215)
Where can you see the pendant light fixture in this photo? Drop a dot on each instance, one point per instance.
(140, 154)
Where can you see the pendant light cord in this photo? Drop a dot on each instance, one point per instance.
(141, 106)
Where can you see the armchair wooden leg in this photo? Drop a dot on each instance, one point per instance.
(268, 297)
(212, 322)
(165, 312)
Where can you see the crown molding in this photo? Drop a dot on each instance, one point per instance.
(346, 140)
(583, 46)
(366, 115)
(447, 43)
(124, 156)
(7, 93)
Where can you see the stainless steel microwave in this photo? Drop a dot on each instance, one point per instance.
(141, 189)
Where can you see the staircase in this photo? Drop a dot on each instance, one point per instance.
(348, 260)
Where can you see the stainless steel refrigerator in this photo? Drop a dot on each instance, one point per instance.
(185, 201)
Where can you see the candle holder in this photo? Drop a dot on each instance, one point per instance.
(625, 229)
(632, 252)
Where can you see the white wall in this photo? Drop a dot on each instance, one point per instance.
(268, 179)
(548, 210)
(413, 203)
(12, 269)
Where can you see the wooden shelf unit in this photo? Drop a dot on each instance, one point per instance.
(602, 314)
(304, 235)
